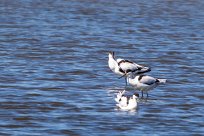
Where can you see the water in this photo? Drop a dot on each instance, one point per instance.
(55, 79)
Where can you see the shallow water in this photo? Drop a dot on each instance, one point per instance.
(55, 79)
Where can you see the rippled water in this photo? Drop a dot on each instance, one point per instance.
(55, 79)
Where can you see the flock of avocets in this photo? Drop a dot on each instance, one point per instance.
(134, 75)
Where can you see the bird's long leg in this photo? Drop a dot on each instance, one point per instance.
(124, 75)
(125, 81)
(142, 94)
(147, 95)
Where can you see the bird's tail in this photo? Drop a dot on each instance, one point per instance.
(142, 70)
(162, 81)
(146, 69)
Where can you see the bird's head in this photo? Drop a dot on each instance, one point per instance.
(111, 54)
(136, 95)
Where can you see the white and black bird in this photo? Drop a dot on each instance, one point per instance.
(126, 102)
(145, 83)
(124, 67)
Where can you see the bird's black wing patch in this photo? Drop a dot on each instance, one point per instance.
(150, 83)
(129, 70)
(121, 70)
(140, 77)
(147, 83)
(123, 61)
(128, 98)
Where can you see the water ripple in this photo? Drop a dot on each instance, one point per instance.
(55, 79)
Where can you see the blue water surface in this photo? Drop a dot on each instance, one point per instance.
(55, 78)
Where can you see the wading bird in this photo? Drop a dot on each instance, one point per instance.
(126, 102)
(124, 67)
(145, 83)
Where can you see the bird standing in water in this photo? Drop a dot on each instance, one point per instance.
(126, 102)
(145, 83)
(124, 67)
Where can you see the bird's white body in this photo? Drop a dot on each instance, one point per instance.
(125, 102)
(145, 83)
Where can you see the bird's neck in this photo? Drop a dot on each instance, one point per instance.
(112, 62)
(132, 80)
